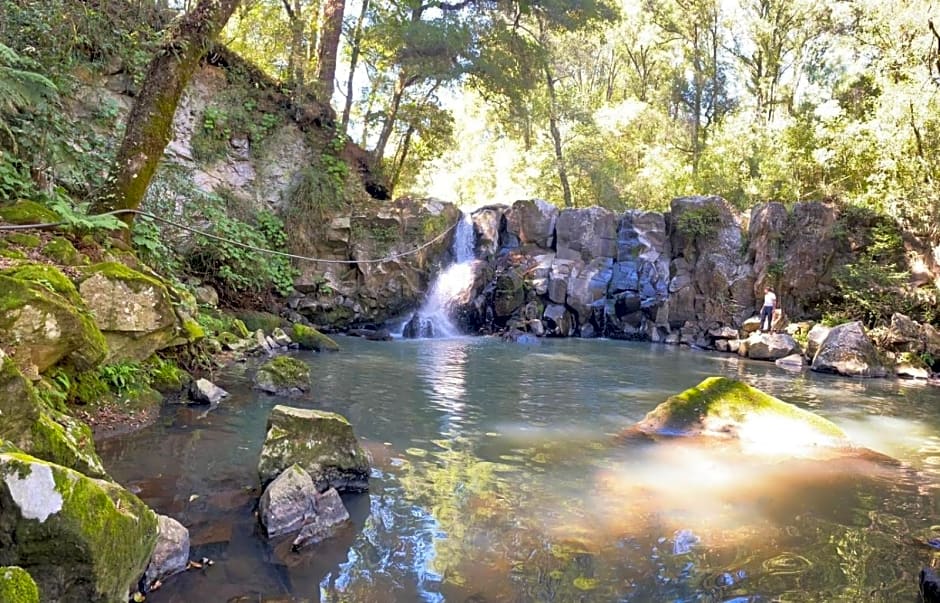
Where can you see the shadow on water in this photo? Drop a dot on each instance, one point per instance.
(496, 478)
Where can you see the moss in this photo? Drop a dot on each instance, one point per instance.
(726, 399)
(16, 585)
(48, 276)
(94, 547)
(239, 328)
(12, 254)
(67, 441)
(265, 321)
(166, 376)
(118, 271)
(312, 339)
(27, 212)
(24, 239)
(63, 252)
(194, 332)
(229, 339)
(287, 372)
(584, 583)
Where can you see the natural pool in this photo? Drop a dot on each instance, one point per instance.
(496, 479)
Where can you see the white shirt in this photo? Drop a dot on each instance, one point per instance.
(770, 299)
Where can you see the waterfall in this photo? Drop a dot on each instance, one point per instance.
(433, 318)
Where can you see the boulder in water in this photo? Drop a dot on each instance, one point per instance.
(321, 442)
(418, 327)
(847, 350)
(283, 376)
(723, 408)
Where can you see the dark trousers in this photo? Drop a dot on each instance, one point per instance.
(768, 313)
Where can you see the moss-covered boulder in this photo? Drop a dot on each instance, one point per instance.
(254, 320)
(61, 251)
(42, 325)
(723, 408)
(283, 375)
(41, 431)
(133, 310)
(321, 442)
(81, 539)
(27, 212)
(17, 586)
(311, 339)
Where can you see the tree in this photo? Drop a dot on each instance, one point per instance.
(150, 122)
(331, 26)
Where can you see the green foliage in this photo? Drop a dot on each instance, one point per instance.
(234, 113)
(698, 222)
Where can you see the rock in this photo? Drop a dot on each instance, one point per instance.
(288, 502)
(330, 513)
(723, 333)
(770, 346)
(847, 350)
(371, 334)
(207, 296)
(321, 442)
(281, 338)
(532, 222)
(486, 225)
(751, 325)
(587, 286)
(17, 586)
(133, 311)
(45, 327)
(911, 366)
(558, 321)
(723, 408)
(203, 391)
(27, 212)
(814, 339)
(793, 362)
(586, 234)
(83, 539)
(418, 327)
(40, 431)
(929, 585)
(903, 335)
(171, 554)
(312, 339)
(283, 375)
(509, 293)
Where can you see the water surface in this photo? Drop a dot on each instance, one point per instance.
(496, 478)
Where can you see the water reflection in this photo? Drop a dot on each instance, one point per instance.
(496, 479)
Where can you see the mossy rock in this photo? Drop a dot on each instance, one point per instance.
(312, 339)
(133, 310)
(726, 408)
(48, 276)
(27, 212)
(12, 254)
(239, 328)
(166, 377)
(42, 431)
(17, 586)
(267, 322)
(44, 328)
(82, 539)
(61, 251)
(25, 239)
(321, 442)
(283, 375)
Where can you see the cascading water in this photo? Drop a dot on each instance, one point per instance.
(433, 318)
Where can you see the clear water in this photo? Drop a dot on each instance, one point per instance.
(497, 478)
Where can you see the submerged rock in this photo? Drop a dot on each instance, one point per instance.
(321, 442)
(723, 408)
(81, 539)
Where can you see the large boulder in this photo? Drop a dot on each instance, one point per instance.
(509, 292)
(81, 539)
(42, 431)
(724, 408)
(321, 442)
(587, 287)
(487, 224)
(770, 346)
(817, 334)
(288, 502)
(43, 326)
(311, 339)
(847, 350)
(532, 222)
(133, 310)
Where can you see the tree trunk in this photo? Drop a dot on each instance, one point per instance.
(331, 26)
(391, 117)
(150, 123)
(556, 137)
(353, 61)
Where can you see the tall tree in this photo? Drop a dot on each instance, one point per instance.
(150, 122)
(331, 26)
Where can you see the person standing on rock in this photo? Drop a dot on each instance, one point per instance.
(767, 310)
